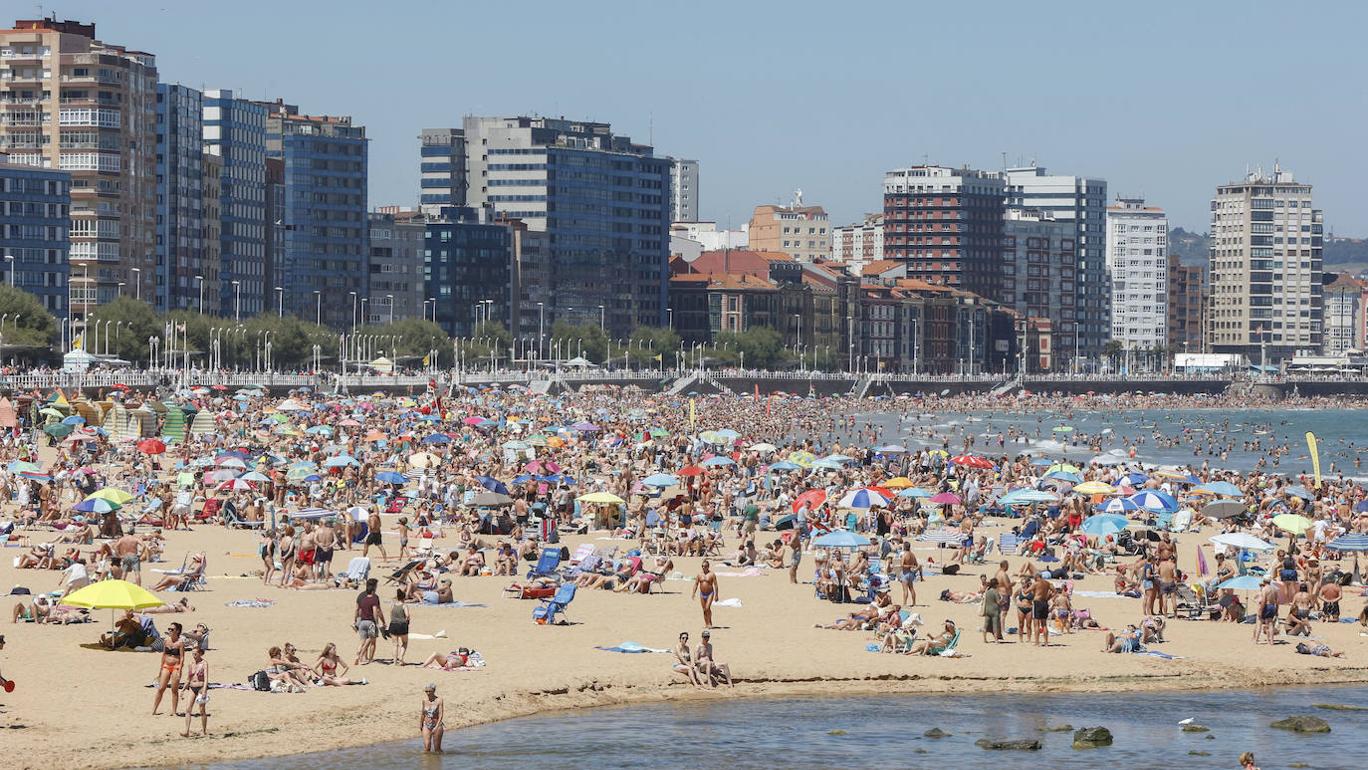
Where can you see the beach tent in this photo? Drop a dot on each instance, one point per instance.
(173, 428)
(202, 424)
(93, 414)
(9, 416)
(77, 361)
(116, 423)
(143, 422)
(382, 365)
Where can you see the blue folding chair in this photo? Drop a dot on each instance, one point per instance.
(546, 613)
(547, 564)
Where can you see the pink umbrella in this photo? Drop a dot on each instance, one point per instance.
(473, 420)
(945, 498)
(235, 485)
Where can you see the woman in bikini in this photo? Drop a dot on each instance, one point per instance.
(287, 554)
(173, 654)
(197, 679)
(430, 721)
(327, 668)
(266, 549)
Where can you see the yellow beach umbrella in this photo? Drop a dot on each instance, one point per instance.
(423, 459)
(899, 482)
(1094, 488)
(1292, 523)
(113, 595)
(601, 498)
(112, 495)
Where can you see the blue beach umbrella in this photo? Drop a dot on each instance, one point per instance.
(784, 465)
(841, 538)
(340, 461)
(1155, 502)
(862, 498)
(1349, 543)
(95, 505)
(1072, 478)
(492, 484)
(1221, 489)
(1297, 490)
(660, 480)
(1103, 524)
(391, 477)
(717, 461)
(437, 438)
(1242, 583)
(1118, 505)
(914, 492)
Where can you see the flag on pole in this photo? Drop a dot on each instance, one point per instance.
(1315, 456)
(693, 413)
(79, 342)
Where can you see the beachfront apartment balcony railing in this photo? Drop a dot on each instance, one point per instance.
(98, 117)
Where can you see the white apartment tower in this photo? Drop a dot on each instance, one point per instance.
(1137, 265)
(1265, 264)
(859, 244)
(683, 190)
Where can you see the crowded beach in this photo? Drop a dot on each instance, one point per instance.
(228, 570)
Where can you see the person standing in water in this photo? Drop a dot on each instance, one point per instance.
(430, 721)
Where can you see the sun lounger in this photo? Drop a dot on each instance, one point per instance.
(546, 614)
(234, 520)
(547, 564)
(1008, 544)
(358, 569)
(948, 647)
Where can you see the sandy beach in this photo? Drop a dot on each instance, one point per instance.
(79, 706)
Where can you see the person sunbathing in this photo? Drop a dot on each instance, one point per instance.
(39, 557)
(934, 645)
(1319, 650)
(79, 535)
(961, 597)
(643, 580)
(505, 560)
(473, 562)
(451, 661)
(331, 670)
(41, 609)
(283, 669)
(1127, 641)
(183, 580)
(178, 606)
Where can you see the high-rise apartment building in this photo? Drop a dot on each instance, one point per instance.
(802, 232)
(35, 212)
(1083, 202)
(466, 261)
(1345, 300)
(326, 252)
(1040, 270)
(207, 293)
(442, 166)
(859, 244)
(396, 265)
(1138, 268)
(1187, 306)
(181, 239)
(946, 224)
(1265, 266)
(602, 200)
(69, 101)
(683, 190)
(235, 130)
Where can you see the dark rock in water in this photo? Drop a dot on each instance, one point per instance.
(1199, 753)
(936, 732)
(1021, 745)
(1298, 764)
(1092, 738)
(921, 751)
(1057, 729)
(1302, 724)
(1196, 729)
(836, 732)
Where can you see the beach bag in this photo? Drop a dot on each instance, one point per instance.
(260, 681)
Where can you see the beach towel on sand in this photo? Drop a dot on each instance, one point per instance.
(629, 647)
(732, 602)
(252, 603)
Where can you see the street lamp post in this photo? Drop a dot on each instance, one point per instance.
(237, 300)
(280, 301)
(541, 328)
(200, 281)
(602, 325)
(120, 287)
(137, 282)
(10, 259)
(390, 299)
(318, 308)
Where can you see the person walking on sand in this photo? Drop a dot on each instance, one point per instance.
(373, 537)
(795, 557)
(197, 680)
(705, 588)
(367, 622)
(1268, 611)
(430, 720)
(169, 675)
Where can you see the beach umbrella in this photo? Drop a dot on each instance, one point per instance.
(1297, 490)
(1071, 478)
(340, 461)
(862, 498)
(1220, 489)
(660, 480)
(1242, 540)
(235, 485)
(717, 461)
(1094, 488)
(1349, 543)
(74, 419)
(41, 478)
(436, 438)
(840, 538)
(728, 434)
(58, 430)
(111, 494)
(825, 464)
(945, 498)
(690, 470)
(762, 447)
(96, 505)
(601, 498)
(1155, 502)
(1242, 583)
(914, 492)
(256, 476)
(1223, 509)
(802, 458)
(810, 498)
(584, 426)
(784, 465)
(891, 449)
(230, 462)
(1062, 468)
(390, 477)
(152, 446)
(839, 459)
(1135, 479)
(1026, 496)
(898, 482)
(1103, 524)
(712, 437)
(1291, 523)
(423, 459)
(492, 484)
(112, 595)
(1118, 505)
(490, 499)
(23, 466)
(516, 445)
(972, 461)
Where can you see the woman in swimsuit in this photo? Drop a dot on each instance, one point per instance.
(327, 668)
(287, 554)
(198, 682)
(173, 654)
(399, 627)
(430, 721)
(1023, 604)
(266, 550)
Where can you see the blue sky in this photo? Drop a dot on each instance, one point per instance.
(1164, 100)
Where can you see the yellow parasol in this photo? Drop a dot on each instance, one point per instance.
(112, 595)
(111, 494)
(601, 498)
(1094, 488)
(899, 482)
(1291, 523)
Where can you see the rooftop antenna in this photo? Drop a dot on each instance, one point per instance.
(1004, 160)
(650, 131)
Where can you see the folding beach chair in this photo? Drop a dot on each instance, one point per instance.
(547, 564)
(1008, 544)
(358, 569)
(546, 613)
(235, 520)
(396, 577)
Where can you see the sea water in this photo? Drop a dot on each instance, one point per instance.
(888, 732)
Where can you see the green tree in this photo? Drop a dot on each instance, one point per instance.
(576, 337)
(25, 322)
(762, 347)
(646, 342)
(122, 328)
(413, 339)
